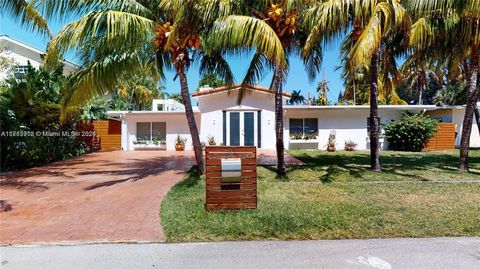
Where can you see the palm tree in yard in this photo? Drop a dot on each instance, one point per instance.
(376, 24)
(356, 78)
(418, 74)
(276, 24)
(114, 37)
(452, 27)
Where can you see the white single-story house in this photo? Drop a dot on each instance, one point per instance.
(252, 122)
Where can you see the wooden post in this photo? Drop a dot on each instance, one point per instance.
(223, 192)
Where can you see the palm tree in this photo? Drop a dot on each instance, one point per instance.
(322, 90)
(27, 13)
(418, 73)
(115, 36)
(297, 98)
(356, 78)
(450, 27)
(376, 25)
(273, 30)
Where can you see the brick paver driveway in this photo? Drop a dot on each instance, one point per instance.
(111, 196)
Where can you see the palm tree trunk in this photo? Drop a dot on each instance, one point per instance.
(374, 119)
(420, 96)
(197, 146)
(468, 118)
(477, 114)
(278, 85)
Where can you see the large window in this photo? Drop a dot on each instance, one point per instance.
(310, 126)
(159, 131)
(304, 128)
(149, 131)
(143, 131)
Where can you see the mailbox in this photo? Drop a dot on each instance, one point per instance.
(231, 170)
(231, 177)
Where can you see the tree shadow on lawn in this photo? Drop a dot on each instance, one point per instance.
(357, 164)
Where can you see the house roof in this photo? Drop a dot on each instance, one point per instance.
(7, 38)
(147, 113)
(237, 87)
(348, 107)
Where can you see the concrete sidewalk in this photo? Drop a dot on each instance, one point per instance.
(376, 253)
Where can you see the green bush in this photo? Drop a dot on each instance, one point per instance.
(29, 151)
(28, 108)
(411, 132)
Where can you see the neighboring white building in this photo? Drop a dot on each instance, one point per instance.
(21, 54)
(252, 122)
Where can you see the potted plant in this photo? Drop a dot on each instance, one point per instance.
(350, 145)
(311, 136)
(180, 143)
(296, 136)
(211, 141)
(163, 144)
(331, 143)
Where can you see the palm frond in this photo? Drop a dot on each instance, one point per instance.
(241, 32)
(116, 29)
(255, 73)
(216, 64)
(312, 60)
(27, 14)
(99, 78)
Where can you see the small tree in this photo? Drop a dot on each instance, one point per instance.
(411, 132)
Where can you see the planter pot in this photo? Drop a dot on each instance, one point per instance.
(331, 148)
(179, 147)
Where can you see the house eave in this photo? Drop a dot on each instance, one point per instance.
(360, 107)
(148, 113)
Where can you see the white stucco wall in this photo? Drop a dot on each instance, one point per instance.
(213, 105)
(457, 118)
(349, 124)
(175, 124)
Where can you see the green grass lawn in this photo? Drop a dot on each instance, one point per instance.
(302, 206)
(344, 166)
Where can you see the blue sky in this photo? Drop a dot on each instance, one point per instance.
(297, 77)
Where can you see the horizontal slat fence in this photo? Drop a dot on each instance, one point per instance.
(110, 134)
(231, 195)
(444, 139)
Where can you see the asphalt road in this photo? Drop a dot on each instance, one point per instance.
(377, 253)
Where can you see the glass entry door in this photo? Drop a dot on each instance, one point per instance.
(242, 128)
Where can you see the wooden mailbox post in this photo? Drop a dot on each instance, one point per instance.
(231, 177)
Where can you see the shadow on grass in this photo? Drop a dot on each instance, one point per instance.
(281, 178)
(191, 179)
(357, 164)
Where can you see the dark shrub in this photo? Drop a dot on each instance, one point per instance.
(411, 132)
(31, 132)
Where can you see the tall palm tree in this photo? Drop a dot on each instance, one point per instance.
(356, 78)
(274, 24)
(297, 98)
(418, 74)
(376, 24)
(114, 36)
(445, 24)
(322, 90)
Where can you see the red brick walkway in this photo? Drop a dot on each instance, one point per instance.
(269, 157)
(113, 196)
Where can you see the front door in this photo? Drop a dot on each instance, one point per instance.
(242, 128)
